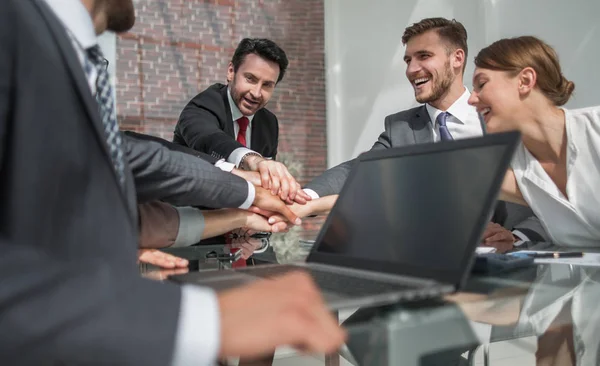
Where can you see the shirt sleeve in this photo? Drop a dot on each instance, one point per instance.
(522, 237)
(224, 165)
(191, 226)
(236, 156)
(314, 195)
(251, 195)
(198, 335)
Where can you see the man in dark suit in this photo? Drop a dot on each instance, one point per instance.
(231, 122)
(163, 225)
(68, 229)
(436, 51)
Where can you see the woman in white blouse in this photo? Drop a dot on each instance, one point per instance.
(518, 85)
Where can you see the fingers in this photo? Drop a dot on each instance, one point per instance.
(279, 227)
(499, 237)
(298, 318)
(260, 211)
(317, 331)
(265, 177)
(163, 274)
(258, 223)
(274, 219)
(285, 189)
(289, 215)
(161, 259)
(491, 229)
(301, 196)
(266, 201)
(275, 185)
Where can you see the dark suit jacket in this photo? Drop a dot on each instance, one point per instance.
(206, 125)
(172, 146)
(71, 292)
(413, 126)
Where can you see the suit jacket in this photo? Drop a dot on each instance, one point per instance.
(68, 232)
(172, 146)
(413, 126)
(206, 125)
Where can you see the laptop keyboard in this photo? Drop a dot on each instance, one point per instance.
(333, 282)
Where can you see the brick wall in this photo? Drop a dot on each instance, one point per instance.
(179, 47)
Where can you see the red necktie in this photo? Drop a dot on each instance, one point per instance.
(243, 122)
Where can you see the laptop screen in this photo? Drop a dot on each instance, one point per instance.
(418, 211)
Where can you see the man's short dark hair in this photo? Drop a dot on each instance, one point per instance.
(451, 31)
(265, 48)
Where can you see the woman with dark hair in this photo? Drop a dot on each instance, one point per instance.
(518, 85)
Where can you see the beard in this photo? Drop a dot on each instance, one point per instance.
(120, 15)
(442, 84)
(238, 96)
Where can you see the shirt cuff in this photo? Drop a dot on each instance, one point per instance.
(314, 195)
(236, 156)
(224, 165)
(522, 238)
(191, 227)
(198, 328)
(251, 195)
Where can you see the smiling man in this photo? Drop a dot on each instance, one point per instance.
(435, 56)
(231, 121)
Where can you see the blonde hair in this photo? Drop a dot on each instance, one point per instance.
(515, 54)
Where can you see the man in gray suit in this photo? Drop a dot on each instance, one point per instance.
(71, 293)
(436, 52)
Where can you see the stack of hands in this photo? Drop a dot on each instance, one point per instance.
(280, 203)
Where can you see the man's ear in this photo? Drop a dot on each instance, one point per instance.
(230, 72)
(527, 79)
(458, 59)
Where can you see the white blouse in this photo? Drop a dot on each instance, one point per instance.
(574, 221)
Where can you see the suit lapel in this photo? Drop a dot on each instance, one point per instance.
(421, 126)
(78, 76)
(258, 134)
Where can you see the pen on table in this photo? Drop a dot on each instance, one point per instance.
(557, 255)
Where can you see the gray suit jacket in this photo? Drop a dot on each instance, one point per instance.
(413, 126)
(408, 127)
(71, 292)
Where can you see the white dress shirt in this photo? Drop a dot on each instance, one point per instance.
(236, 155)
(463, 121)
(198, 333)
(573, 220)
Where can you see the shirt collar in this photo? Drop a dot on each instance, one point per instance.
(235, 111)
(76, 19)
(460, 109)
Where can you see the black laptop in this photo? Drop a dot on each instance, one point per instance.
(405, 226)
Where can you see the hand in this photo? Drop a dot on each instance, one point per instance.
(257, 222)
(498, 237)
(320, 205)
(276, 177)
(163, 274)
(288, 310)
(161, 259)
(252, 177)
(267, 203)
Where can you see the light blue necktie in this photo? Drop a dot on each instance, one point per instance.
(441, 122)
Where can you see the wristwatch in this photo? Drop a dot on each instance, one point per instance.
(243, 164)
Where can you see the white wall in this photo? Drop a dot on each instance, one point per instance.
(365, 69)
